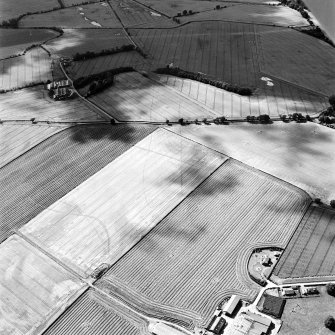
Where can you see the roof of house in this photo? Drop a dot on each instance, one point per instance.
(232, 303)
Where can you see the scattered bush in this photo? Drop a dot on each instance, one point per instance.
(331, 288)
(330, 323)
(332, 204)
(175, 71)
(318, 201)
(332, 101)
(218, 7)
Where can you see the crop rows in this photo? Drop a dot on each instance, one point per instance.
(106, 215)
(105, 63)
(33, 287)
(132, 14)
(47, 172)
(33, 67)
(15, 140)
(93, 314)
(75, 17)
(284, 99)
(224, 51)
(35, 103)
(135, 97)
(297, 58)
(311, 252)
(232, 209)
(83, 40)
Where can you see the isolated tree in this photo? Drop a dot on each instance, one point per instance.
(330, 323)
(332, 203)
(190, 12)
(185, 12)
(332, 100)
(218, 7)
(181, 121)
(331, 286)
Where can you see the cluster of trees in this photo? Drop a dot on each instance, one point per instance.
(175, 71)
(328, 116)
(91, 54)
(318, 33)
(100, 81)
(186, 12)
(263, 118)
(298, 117)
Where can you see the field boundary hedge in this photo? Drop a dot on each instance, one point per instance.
(175, 71)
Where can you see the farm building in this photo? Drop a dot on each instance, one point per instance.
(251, 324)
(216, 325)
(232, 304)
(288, 292)
(272, 305)
(62, 93)
(58, 84)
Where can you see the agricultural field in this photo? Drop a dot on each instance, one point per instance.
(285, 99)
(17, 139)
(104, 63)
(21, 71)
(68, 3)
(133, 14)
(298, 58)
(35, 103)
(94, 314)
(96, 15)
(307, 316)
(83, 40)
(135, 97)
(222, 50)
(33, 287)
(297, 153)
(260, 14)
(9, 11)
(34, 181)
(311, 251)
(106, 215)
(173, 7)
(15, 41)
(216, 227)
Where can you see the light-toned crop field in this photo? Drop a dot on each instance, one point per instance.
(110, 212)
(198, 254)
(51, 169)
(222, 50)
(33, 67)
(15, 41)
(75, 17)
(173, 7)
(133, 14)
(93, 314)
(33, 287)
(259, 14)
(301, 154)
(298, 58)
(35, 102)
(279, 99)
(9, 11)
(311, 251)
(17, 139)
(82, 40)
(104, 63)
(135, 97)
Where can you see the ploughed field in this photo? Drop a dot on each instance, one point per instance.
(311, 251)
(82, 40)
(35, 103)
(17, 139)
(33, 287)
(107, 214)
(32, 68)
(15, 41)
(94, 314)
(34, 181)
(94, 15)
(286, 100)
(135, 97)
(197, 255)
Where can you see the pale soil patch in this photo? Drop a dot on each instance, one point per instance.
(272, 102)
(33, 67)
(72, 18)
(135, 97)
(8, 10)
(35, 103)
(82, 40)
(15, 41)
(15, 140)
(106, 215)
(298, 153)
(33, 287)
